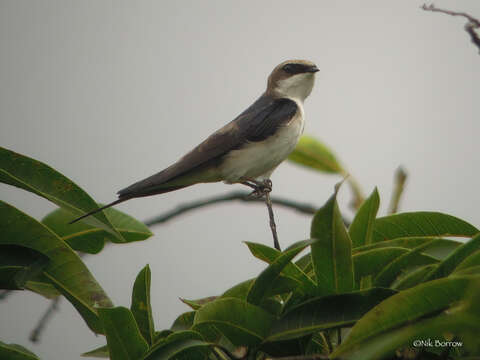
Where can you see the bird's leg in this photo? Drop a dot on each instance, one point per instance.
(261, 188)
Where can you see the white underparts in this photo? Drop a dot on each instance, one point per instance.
(258, 159)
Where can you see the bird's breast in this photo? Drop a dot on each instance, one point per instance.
(259, 159)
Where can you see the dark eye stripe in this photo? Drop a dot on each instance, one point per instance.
(295, 68)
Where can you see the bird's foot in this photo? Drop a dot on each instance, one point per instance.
(260, 188)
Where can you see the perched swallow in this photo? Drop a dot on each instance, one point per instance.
(248, 149)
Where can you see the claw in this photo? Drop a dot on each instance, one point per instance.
(260, 188)
(255, 194)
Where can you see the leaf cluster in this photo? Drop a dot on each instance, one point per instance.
(366, 291)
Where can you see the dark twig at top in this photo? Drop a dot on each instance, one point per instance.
(470, 27)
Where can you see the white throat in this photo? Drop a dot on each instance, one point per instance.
(296, 87)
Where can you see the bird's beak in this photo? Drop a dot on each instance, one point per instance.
(312, 69)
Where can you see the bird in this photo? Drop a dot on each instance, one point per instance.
(246, 150)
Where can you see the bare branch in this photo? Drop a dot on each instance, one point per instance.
(470, 27)
(233, 196)
(35, 334)
(399, 185)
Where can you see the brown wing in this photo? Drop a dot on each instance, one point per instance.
(256, 123)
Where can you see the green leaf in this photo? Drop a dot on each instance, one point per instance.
(439, 249)
(413, 278)
(239, 321)
(12, 277)
(332, 254)
(385, 345)
(183, 321)
(263, 283)
(198, 303)
(42, 288)
(361, 229)
(269, 255)
(422, 223)
(15, 352)
(141, 307)
(281, 285)
(19, 264)
(88, 311)
(459, 323)
(406, 261)
(318, 344)
(90, 239)
(124, 339)
(100, 352)
(305, 263)
(371, 262)
(326, 312)
(65, 269)
(471, 261)
(312, 153)
(187, 345)
(160, 335)
(34, 176)
(406, 307)
(447, 266)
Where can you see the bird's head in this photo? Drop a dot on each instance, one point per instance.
(292, 79)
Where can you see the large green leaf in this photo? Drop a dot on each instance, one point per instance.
(385, 346)
(447, 266)
(440, 249)
(141, 307)
(312, 153)
(470, 261)
(413, 277)
(269, 255)
(90, 239)
(181, 345)
(331, 254)
(405, 261)
(34, 176)
(19, 264)
(65, 267)
(43, 288)
(461, 323)
(264, 282)
(405, 307)
(361, 228)
(183, 321)
(15, 352)
(239, 321)
(371, 262)
(124, 340)
(422, 223)
(326, 312)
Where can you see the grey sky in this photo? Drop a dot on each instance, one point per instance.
(109, 92)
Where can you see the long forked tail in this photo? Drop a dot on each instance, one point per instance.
(118, 201)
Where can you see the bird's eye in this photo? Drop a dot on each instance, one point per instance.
(288, 68)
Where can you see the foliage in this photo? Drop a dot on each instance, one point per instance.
(381, 284)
